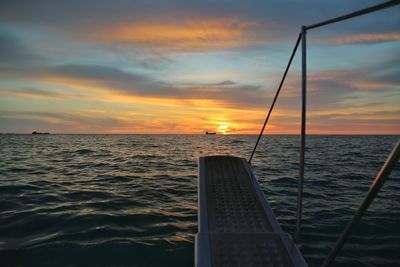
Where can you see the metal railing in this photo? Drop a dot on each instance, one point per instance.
(302, 37)
(303, 30)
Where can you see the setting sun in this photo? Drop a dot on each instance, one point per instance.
(223, 128)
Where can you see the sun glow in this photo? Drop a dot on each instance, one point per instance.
(223, 128)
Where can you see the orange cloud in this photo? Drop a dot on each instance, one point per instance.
(186, 35)
(364, 38)
(369, 84)
(368, 112)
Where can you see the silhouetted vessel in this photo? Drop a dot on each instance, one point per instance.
(210, 132)
(36, 132)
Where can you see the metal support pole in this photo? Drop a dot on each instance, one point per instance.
(276, 96)
(303, 131)
(372, 192)
(356, 14)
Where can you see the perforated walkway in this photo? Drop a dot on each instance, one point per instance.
(236, 225)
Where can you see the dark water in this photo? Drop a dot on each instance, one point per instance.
(130, 200)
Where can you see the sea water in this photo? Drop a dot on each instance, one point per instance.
(131, 200)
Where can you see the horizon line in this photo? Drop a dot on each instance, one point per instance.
(289, 134)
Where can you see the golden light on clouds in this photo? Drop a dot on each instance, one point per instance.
(95, 106)
(364, 38)
(189, 34)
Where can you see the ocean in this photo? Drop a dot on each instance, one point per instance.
(131, 200)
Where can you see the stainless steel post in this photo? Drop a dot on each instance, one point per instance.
(303, 131)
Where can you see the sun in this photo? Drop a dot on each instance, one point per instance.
(223, 128)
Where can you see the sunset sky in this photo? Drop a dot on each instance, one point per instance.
(190, 66)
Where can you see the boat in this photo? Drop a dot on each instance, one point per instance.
(210, 132)
(36, 132)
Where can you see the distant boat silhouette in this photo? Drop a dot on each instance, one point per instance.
(210, 132)
(36, 132)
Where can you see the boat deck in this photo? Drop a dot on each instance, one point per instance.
(236, 225)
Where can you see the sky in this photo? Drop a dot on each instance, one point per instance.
(193, 66)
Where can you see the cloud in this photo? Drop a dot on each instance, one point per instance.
(119, 83)
(327, 88)
(94, 122)
(86, 13)
(363, 38)
(362, 115)
(186, 35)
(63, 122)
(356, 121)
(338, 89)
(33, 93)
(13, 51)
(224, 83)
(380, 77)
(138, 54)
(224, 94)
(182, 25)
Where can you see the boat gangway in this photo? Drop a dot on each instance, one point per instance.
(236, 225)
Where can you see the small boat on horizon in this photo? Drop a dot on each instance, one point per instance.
(210, 132)
(36, 132)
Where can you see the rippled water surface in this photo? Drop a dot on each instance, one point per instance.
(131, 200)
